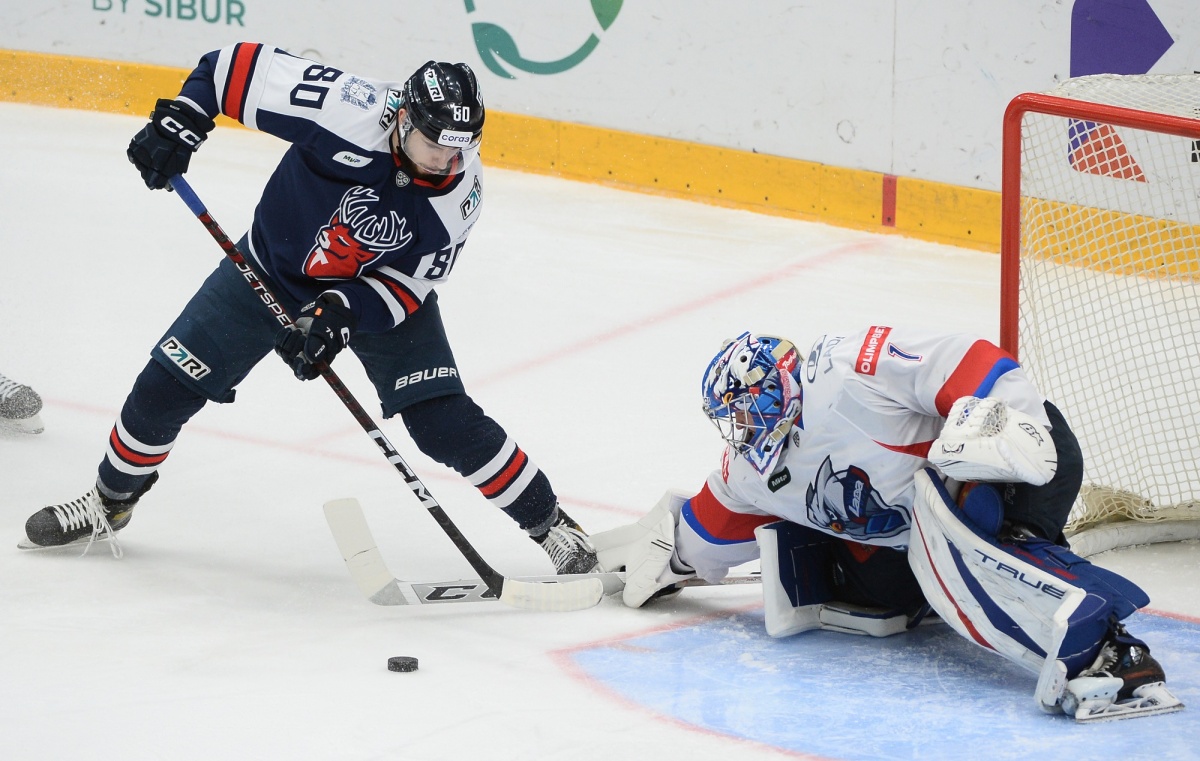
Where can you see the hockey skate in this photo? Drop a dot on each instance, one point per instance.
(568, 546)
(1124, 682)
(90, 518)
(19, 407)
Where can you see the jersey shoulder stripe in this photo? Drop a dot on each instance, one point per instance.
(975, 375)
(237, 83)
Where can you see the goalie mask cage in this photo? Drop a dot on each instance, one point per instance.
(1100, 291)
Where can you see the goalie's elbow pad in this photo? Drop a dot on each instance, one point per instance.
(986, 440)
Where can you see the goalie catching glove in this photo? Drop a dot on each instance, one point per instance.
(321, 331)
(986, 440)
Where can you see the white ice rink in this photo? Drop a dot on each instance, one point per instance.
(582, 318)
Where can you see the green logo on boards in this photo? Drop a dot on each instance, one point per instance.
(497, 47)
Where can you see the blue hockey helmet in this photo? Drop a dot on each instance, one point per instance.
(752, 394)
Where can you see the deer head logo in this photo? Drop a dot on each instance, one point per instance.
(355, 237)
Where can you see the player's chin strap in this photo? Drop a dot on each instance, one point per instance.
(570, 595)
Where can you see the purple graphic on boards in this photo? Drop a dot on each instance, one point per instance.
(1116, 37)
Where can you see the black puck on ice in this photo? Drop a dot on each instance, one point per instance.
(402, 663)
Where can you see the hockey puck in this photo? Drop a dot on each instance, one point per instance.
(402, 663)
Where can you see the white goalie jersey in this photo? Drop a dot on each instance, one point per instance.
(873, 403)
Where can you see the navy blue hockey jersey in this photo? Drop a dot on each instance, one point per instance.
(339, 213)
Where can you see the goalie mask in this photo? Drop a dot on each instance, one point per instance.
(752, 394)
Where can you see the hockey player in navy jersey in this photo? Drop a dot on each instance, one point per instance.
(890, 471)
(366, 213)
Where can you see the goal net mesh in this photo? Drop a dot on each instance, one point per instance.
(1108, 313)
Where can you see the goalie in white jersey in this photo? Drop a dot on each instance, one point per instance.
(829, 477)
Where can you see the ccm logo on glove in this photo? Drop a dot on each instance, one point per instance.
(164, 147)
(323, 329)
(172, 125)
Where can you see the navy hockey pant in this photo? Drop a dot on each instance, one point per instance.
(224, 331)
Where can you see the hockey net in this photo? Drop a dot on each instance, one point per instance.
(1100, 291)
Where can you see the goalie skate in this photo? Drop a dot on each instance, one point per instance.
(1125, 682)
(1091, 699)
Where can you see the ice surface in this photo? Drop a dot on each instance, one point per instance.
(582, 318)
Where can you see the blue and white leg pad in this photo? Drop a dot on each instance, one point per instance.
(1034, 603)
(797, 595)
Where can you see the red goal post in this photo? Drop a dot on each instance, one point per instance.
(1100, 291)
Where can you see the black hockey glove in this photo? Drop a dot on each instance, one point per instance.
(165, 146)
(322, 330)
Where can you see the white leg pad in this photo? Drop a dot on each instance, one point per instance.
(1051, 685)
(980, 591)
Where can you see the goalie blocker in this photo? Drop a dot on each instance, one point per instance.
(1038, 605)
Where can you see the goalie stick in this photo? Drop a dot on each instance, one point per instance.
(365, 563)
(575, 594)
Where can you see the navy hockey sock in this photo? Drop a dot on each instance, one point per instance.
(154, 412)
(455, 431)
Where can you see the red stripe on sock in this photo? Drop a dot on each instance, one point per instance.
(127, 454)
(502, 481)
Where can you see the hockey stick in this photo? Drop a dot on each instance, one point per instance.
(365, 563)
(563, 596)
